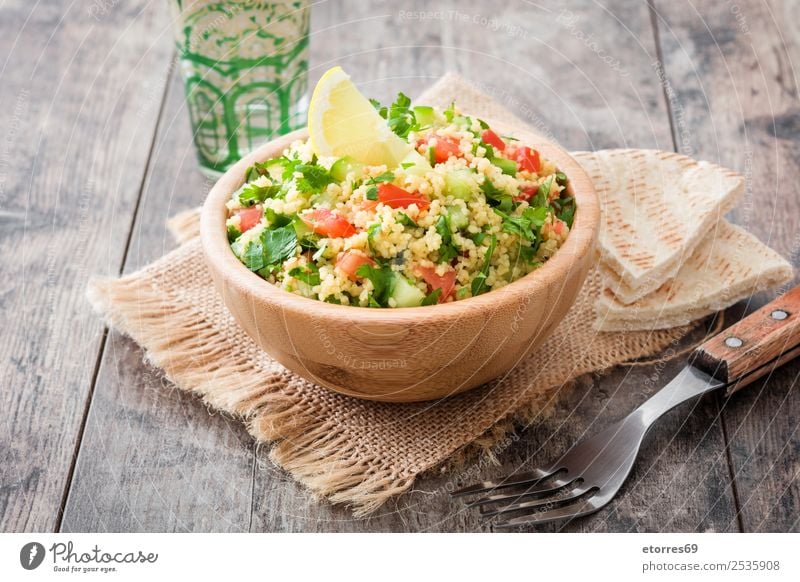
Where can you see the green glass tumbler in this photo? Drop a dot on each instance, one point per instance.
(245, 71)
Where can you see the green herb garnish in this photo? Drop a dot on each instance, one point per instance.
(432, 298)
(308, 274)
(233, 233)
(251, 194)
(478, 285)
(497, 197)
(399, 116)
(405, 220)
(447, 251)
(272, 247)
(382, 278)
(315, 178)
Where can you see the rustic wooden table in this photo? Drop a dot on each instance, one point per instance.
(96, 154)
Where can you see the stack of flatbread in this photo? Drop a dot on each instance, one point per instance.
(667, 255)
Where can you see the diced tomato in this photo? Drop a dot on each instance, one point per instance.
(446, 282)
(528, 159)
(444, 148)
(526, 194)
(350, 261)
(249, 217)
(324, 222)
(395, 197)
(558, 226)
(494, 140)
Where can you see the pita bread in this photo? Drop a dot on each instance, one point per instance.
(728, 266)
(657, 206)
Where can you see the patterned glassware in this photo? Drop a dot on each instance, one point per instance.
(245, 70)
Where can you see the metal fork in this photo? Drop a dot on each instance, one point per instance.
(591, 473)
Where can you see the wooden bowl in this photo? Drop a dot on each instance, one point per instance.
(406, 354)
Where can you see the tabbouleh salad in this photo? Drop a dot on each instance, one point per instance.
(466, 212)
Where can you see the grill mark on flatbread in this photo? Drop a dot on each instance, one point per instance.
(657, 206)
(728, 266)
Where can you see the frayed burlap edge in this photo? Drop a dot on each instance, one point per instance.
(311, 453)
(270, 401)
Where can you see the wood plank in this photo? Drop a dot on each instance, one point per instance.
(600, 92)
(154, 458)
(73, 154)
(736, 103)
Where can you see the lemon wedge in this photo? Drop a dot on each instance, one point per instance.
(342, 122)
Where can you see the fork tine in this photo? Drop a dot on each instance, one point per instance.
(540, 488)
(570, 497)
(526, 478)
(568, 512)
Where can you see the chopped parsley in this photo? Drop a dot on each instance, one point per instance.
(478, 285)
(497, 197)
(432, 298)
(270, 248)
(315, 178)
(527, 224)
(308, 274)
(399, 116)
(233, 233)
(252, 194)
(382, 278)
(448, 250)
(405, 220)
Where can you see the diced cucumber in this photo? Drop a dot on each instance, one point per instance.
(405, 294)
(301, 229)
(275, 171)
(459, 183)
(324, 198)
(419, 165)
(425, 115)
(462, 121)
(344, 166)
(507, 166)
(459, 217)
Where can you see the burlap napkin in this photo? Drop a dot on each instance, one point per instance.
(350, 451)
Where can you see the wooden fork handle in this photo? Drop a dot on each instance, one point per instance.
(758, 344)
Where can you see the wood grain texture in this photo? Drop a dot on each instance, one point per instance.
(734, 101)
(753, 342)
(556, 83)
(154, 458)
(76, 135)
